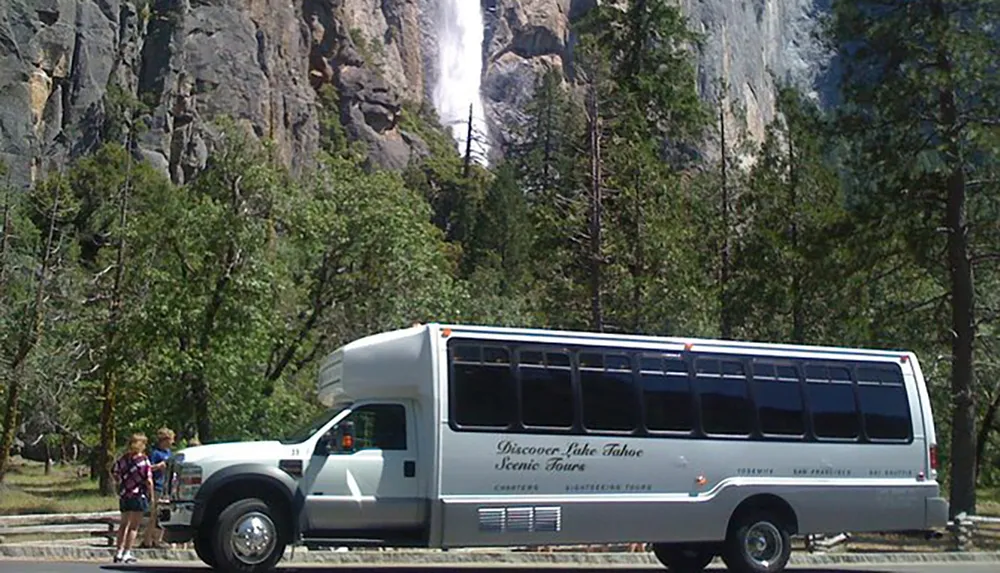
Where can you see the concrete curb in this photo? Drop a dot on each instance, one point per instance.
(480, 558)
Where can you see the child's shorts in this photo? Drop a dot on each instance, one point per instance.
(133, 504)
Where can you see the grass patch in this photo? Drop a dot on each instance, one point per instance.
(67, 489)
(988, 501)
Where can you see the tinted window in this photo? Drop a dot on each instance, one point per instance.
(666, 394)
(884, 405)
(608, 394)
(831, 402)
(379, 426)
(482, 392)
(725, 407)
(779, 400)
(546, 392)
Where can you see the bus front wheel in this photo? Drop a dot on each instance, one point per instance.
(683, 558)
(203, 549)
(247, 537)
(757, 542)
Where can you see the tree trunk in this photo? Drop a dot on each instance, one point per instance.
(5, 241)
(547, 151)
(963, 438)
(798, 320)
(639, 264)
(725, 320)
(468, 146)
(32, 333)
(596, 202)
(203, 420)
(111, 358)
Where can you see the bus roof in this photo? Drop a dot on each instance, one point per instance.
(690, 342)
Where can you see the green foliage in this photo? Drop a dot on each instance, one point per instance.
(333, 136)
(548, 165)
(371, 49)
(639, 76)
(504, 235)
(454, 195)
(790, 262)
(646, 50)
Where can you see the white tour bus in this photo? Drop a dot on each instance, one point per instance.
(459, 436)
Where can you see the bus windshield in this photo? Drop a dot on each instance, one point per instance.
(307, 430)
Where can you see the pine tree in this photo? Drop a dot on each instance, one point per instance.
(638, 74)
(549, 160)
(791, 277)
(921, 98)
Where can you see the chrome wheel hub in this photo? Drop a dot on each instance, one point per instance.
(763, 544)
(253, 538)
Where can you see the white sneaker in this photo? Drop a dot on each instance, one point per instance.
(128, 557)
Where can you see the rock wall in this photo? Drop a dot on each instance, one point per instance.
(186, 61)
(260, 63)
(754, 45)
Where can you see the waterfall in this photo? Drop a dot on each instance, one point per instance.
(459, 70)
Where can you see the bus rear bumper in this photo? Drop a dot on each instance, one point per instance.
(936, 512)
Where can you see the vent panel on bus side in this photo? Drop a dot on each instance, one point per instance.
(548, 519)
(491, 519)
(520, 519)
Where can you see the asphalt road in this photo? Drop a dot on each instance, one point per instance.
(163, 567)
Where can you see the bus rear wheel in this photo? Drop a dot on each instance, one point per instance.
(757, 542)
(683, 558)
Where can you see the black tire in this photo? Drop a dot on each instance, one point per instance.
(204, 549)
(757, 542)
(683, 558)
(270, 546)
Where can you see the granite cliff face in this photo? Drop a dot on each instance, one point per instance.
(750, 44)
(63, 63)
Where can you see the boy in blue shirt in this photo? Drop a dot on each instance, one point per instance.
(158, 459)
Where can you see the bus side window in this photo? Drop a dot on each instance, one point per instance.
(608, 392)
(379, 426)
(831, 402)
(884, 403)
(779, 400)
(725, 403)
(666, 394)
(546, 390)
(482, 386)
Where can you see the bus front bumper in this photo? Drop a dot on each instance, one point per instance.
(176, 520)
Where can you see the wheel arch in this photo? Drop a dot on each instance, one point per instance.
(766, 502)
(244, 481)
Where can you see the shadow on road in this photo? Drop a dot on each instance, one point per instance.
(139, 568)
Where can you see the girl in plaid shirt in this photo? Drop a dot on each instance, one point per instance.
(134, 476)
